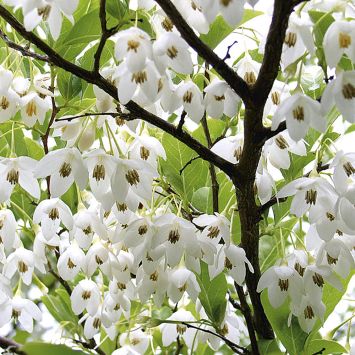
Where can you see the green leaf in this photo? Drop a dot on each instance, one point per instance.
(212, 301)
(292, 337)
(71, 198)
(38, 348)
(34, 149)
(117, 8)
(324, 347)
(269, 347)
(195, 174)
(202, 200)
(69, 85)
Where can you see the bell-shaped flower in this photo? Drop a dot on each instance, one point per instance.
(230, 148)
(135, 47)
(344, 171)
(170, 331)
(300, 112)
(235, 261)
(346, 210)
(298, 259)
(341, 92)
(22, 310)
(279, 147)
(232, 11)
(50, 213)
(339, 39)
(136, 341)
(216, 226)
(178, 236)
(95, 257)
(248, 69)
(21, 261)
(128, 82)
(86, 295)
(192, 100)
(281, 281)
(219, 99)
(70, 262)
(306, 191)
(34, 108)
(265, 184)
(173, 51)
(114, 306)
(298, 39)
(8, 97)
(8, 227)
(64, 166)
(181, 280)
(92, 324)
(279, 92)
(308, 311)
(86, 224)
(18, 171)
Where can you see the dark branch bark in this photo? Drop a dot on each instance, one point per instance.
(204, 51)
(136, 112)
(11, 346)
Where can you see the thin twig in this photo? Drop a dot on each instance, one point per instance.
(227, 56)
(11, 346)
(88, 114)
(187, 164)
(181, 121)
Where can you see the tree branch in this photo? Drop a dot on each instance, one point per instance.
(136, 112)
(11, 346)
(88, 114)
(273, 50)
(225, 71)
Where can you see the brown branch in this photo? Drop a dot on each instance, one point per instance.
(136, 111)
(245, 309)
(204, 51)
(23, 50)
(273, 50)
(187, 164)
(11, 346)
(88, 114)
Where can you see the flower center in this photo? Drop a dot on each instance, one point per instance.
(348, 91)
(224, 331)
(22, 267)
(142, 229)
(139, 77)
(144, 152)
(349, 169)
(225, 2)
(12, 176)
(135, 341)
(154, 276)
(70, 264)
(238, 153)
(183, 288)
(344, 40)
(318, 279)
(219, 98)
(122, 207)
(213, 232)
(99, 172)
(96, 323)
(227, 264)
(275, 98)
(311, 197)
(298, 113)
(86, 295)
(172, 52)
(117, 307)
(174, 236)
(53, 214)
(181, 329)
(44, 12)
(98, 260)
(283, 284)
(167, 24)
(121, 286)
(291, 39)
(132, 177)
(331, 260)
(281, 142)
(4, 103)
(330, 216)
(250, 77)
(65, 170)
(16, 313)
(132, 45)
(188, 97)
(299, 269)
(31, 109)
(308, 312)
(87, 230)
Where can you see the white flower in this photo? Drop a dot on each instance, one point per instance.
(8, 226)
(232, 11)
(192, 100)
(17, 171)
(341, 91)
(8, 97)
(216, 227)
(95, 257)
(171, 331)
(248, 69)
(173, 52)
(344, 171)
(281, 281)
(135, 47)
(264, 184)
(70, 262)
(136, 342)
(300, 112)
(93, 324)
(230, 148)
(219, 99)
(182, 280)
(339, 39)
(235, 260)
(21, 260)
(50, 213)
(298, 38)
(22, 310)
(64, 166)
(34, 108)
(86, 295)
